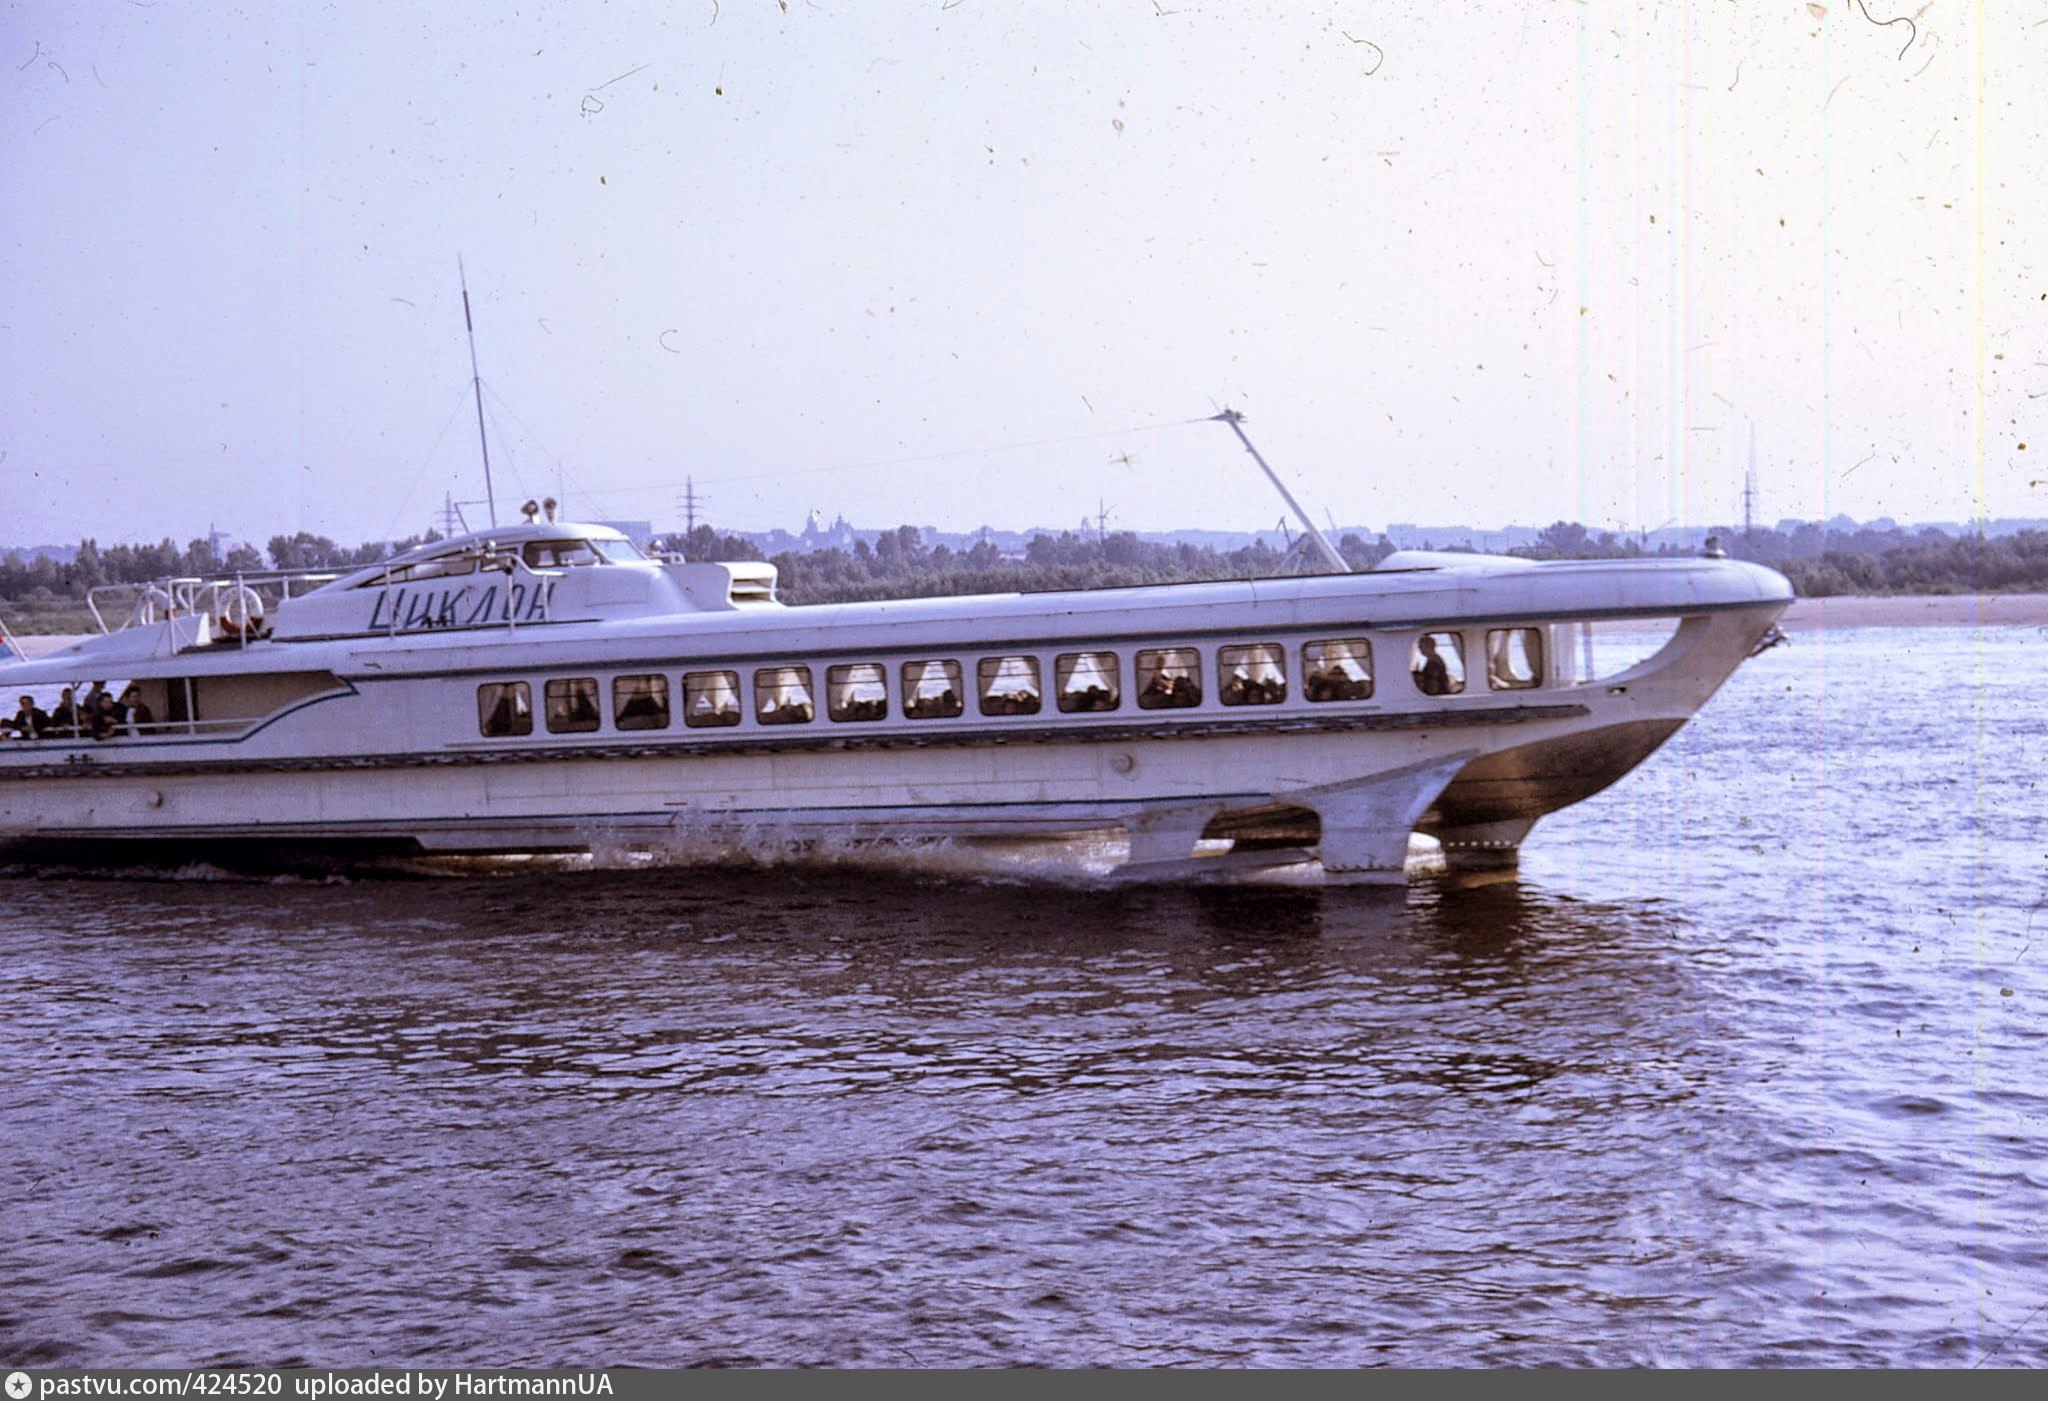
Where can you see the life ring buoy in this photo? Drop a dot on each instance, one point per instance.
(241, 613)
(150, 605)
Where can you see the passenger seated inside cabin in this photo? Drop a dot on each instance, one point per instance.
(641, 711)
(1329, 685)
(29, 721)
(943, 706)
(1167, 678)
(1008, 685)
(571, 705)
(504, 708)
(579, 710)
(1087, 682)
(711, 698)
(782, 696)
(1255, 674)
(931, 689)
(640, 702)
(1338, 669)
(139, 719)
(1433, 674)
(855, 691)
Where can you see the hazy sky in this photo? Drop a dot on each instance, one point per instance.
(963, 261)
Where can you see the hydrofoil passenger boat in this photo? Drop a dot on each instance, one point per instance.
(547, 687)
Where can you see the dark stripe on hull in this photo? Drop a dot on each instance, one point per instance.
(1530, 780)
(254, 855)
(96, 763)
(1518, 784)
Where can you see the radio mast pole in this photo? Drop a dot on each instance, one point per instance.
(1323, 546)
(476, 383)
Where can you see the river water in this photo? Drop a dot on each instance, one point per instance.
(1748, 1067)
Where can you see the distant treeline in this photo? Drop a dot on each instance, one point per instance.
(899, 565)
(1822, 561)
(1819, 562)
(44, 594)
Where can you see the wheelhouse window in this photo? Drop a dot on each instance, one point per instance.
(856, 692)
(932, 690)
(1008, 685)
(782, 696)
(1251, 675)
(572, 705)
(558, 554)
(1169, 678)
(445, 566)
(1438, 664)
(1339, 669)
(711, 698)
(1514, 658)
(1087, 681)
(640, 702)
(504, 708)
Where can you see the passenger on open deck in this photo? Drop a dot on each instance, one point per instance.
(96, 712)
(140, 718)
(63, 722)
(29, 722)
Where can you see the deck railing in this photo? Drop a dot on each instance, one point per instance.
(188, 595)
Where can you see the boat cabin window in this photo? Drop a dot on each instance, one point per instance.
(640, 702)
(504, 708)
(856, 692)
(447, 566)
(572, 705)
(1008, 685)
(1438, 664)
(1337, 670)
(782, 695)
(1169, 678)
(1607, 647)
(931, 690)
(1251, 675)
(711, 698)
(559, 554)
(617, 551)
(1514, 658)
(1087, 681)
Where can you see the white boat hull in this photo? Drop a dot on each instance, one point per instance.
(1475, 775)
(375, 717)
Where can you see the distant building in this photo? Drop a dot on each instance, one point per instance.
(817, 535)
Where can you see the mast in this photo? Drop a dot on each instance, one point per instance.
(1323, 546)
(476, 383)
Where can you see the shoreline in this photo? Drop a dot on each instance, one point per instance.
(1917, 611)
(1805, 615)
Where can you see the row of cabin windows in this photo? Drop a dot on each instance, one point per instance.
(1164, 678)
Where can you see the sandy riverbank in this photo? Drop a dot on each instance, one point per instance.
(1918, 611)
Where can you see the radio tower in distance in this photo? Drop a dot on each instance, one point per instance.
(1749, 491)
(689, 504)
